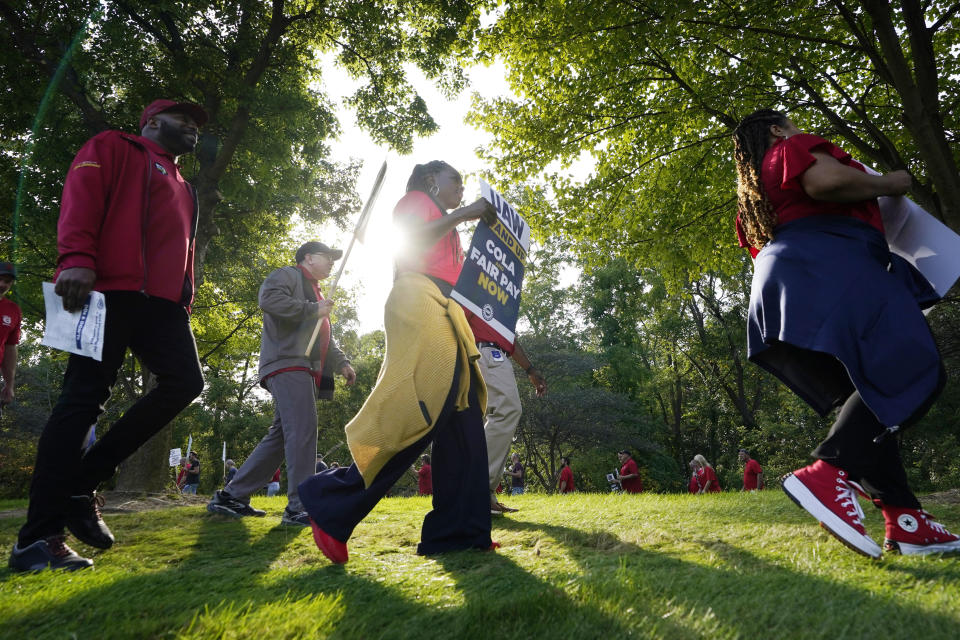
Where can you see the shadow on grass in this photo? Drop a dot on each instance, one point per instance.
(611, 589)
(735, 593)
(223, 564)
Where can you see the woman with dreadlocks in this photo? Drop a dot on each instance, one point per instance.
(429, 391)
(837, 317)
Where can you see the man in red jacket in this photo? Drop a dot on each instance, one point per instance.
(127, 226)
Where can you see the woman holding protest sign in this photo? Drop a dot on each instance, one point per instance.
(837, 317)
(429, 389)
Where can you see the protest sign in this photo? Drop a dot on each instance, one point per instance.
(491, 280)
(175, 456)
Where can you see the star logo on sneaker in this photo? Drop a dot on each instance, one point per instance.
(908, 523)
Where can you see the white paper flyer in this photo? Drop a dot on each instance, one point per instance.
(79, 332)
(920, 239)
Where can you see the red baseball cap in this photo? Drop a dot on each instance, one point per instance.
(195, 111)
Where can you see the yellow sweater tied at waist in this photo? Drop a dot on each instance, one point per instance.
(425, 333)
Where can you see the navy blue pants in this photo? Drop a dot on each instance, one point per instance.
(158, 332)
(337, 499)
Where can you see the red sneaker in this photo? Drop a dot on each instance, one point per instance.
(824, 492)
(915, 532)
(335, 550)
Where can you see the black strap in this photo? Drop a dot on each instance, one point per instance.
(445, 287)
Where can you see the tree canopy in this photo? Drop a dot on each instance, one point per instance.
(646, 350)
(262, 164)
(651, 90)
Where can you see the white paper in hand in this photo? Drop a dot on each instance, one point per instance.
(79, 332)
(928, 244)
(922, 240)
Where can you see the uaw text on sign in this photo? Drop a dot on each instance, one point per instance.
(492, 277)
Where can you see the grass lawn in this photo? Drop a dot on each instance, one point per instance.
(750, 566)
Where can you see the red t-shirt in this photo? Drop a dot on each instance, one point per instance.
(631, 485)
(10, 317)
(445, 258)
(694, 485)
(566, 475)
(781, 169)
(425, 480)
(705, 474)
(750, 472)
(482, 332)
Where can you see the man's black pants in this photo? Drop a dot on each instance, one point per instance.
(878, 467)
(337, 499)
(158, 332)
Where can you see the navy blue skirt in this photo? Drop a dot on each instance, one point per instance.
(832, 310)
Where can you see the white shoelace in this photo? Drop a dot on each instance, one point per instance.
(936, 526)
(847, 497)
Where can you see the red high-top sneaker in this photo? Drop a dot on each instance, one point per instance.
(825, 493)
(915, 532)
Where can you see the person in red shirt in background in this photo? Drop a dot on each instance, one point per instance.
(706, 476)
(752, 472)
(425, 477)
(694, 485)
(629, 473)
(9, 334)
(565, 481)
(127, 228)
(273, 487)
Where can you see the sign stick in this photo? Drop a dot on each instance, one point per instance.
(357, 233)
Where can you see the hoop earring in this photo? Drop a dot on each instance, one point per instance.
(434, 190)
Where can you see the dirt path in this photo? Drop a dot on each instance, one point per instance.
(130, 502)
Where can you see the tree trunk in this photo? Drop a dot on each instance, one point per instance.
(148, 469)
(915, 79)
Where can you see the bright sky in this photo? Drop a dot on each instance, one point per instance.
(369, 268)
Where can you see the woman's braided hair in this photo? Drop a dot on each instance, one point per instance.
(751, 139)
(418, 177)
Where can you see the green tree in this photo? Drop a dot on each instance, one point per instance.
(76, 68)
(651, 90)
(647, 92)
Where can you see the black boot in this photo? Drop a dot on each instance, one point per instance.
(84, 521)
(50, 552)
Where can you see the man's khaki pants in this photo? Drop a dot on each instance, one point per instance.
(503, 410)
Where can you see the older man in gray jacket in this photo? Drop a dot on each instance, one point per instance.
(292, 304)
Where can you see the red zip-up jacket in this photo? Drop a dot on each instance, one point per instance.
(129, 215)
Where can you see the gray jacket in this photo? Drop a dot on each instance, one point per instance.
(289, 316)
